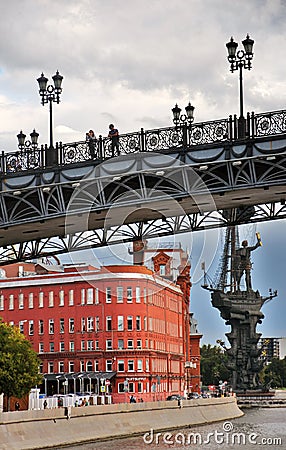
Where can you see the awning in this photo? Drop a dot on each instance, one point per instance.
(78, 375)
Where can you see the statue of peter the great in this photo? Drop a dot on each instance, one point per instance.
(242, 262)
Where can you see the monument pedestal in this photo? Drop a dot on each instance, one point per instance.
(242, 311)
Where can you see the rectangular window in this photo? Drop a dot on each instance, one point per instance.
(129, 323)
(120, 365)
(41, 347)
(121, 388)
(109, 365)
(145, 295)
(31, 327)
(71, 325)
(1, 302)
(62, 326)
(108, 344)
(62, 346)
(129, 294)
(131, 387)
(147, 365)
(41, 326)
(61, 298)
(130, 343)
(52, 347)
(120, 323)
(83, 325)
(81, 365)
(139, 343)
(89, 299)
(119, 294)
(11, 301)
(96, 345)
(96, 296)
(145, 323)
(71, 297)
(71, 346)
(130, 365)
(31, 300)
(51, 299)
(120, 344)
(21, 301)
(108, 295)
(140, 387)
(138, 300)
(108, 323)
(90, 345)
(97, 324)
(21, 326)
(82, 297)
(50, 367)
(162, 270)
(71, 367)
(51, 326)
(82, 347)
(41, 299)
(139, 365)
(138, 323)
(61, 367)
(90, 325)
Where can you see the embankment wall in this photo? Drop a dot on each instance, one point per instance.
(50, 428)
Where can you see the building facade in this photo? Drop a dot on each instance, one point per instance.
(119, 329)
(272, 347)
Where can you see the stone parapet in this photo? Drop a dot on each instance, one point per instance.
(50, 428)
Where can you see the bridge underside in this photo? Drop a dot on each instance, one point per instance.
(138, 196)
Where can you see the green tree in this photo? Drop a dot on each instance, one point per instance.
(274, 374)
(213, 365)
(19, 363)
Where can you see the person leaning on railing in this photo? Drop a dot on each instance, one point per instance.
(114, 135)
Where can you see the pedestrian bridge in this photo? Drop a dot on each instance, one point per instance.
(164, 181)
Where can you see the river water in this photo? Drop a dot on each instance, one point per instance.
(258, 428)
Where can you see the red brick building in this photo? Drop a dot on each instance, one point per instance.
(120, 329)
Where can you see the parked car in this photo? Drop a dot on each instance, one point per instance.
(193, 395)
(176, 397)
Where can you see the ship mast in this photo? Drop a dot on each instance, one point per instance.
(225, 274)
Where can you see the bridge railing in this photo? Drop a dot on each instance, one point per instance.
(157, 140)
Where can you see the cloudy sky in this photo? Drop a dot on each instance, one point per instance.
(129, 62)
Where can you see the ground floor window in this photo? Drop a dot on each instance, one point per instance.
(121, 388)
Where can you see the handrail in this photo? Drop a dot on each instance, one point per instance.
(168, 139)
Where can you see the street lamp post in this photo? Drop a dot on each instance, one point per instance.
(29, 144)
(239, 60)
(49, 94)
(183, 120)
(27, 147)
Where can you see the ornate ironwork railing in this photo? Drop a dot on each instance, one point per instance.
(158, 140)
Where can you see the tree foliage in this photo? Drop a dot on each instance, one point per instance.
(19, 363)
(213, 365)
(274, 374)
